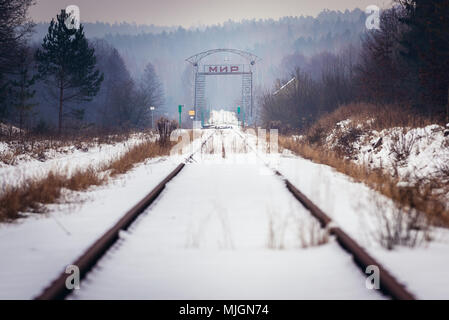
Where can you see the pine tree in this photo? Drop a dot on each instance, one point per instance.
(426, 44)
(67, 63)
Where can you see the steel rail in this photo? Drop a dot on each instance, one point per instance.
(58, 290)
(389, 285)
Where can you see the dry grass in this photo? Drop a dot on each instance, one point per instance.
(311, 234)
(427, 195)
(423, 196)
(402, 225)
(138, 154)
(368, 116)
(37, 146)
(35, 194)
(308, 231)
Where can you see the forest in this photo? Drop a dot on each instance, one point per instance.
(403, 65)
(333, 57)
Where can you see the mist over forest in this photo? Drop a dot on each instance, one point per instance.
(281, 44)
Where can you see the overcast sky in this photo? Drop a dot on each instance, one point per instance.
(191, 12)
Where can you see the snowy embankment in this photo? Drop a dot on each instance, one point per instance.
(64, 160)
(412, 154)
(363, 213)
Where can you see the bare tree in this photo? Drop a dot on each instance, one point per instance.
(151, 88)
(14, 27)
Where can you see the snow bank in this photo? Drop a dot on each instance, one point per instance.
(411, 153)
(65, 160)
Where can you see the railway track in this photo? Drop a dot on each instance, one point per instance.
(389, 285)
(144, 231)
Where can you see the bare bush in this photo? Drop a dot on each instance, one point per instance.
(401, 145)
(164, 128)
(311, 234)
(306, 232)
(276, 233)
(346, 140)
(400, 226)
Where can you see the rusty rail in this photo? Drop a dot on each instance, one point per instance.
(388, 284)
(57, 290)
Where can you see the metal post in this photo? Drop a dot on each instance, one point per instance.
(180, 112)
(194, 97)
(202, 118)
(152, 117)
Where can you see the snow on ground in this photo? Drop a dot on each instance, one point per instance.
(422, 151)
(223, 117)
(355, 207)
(208, 237)
(427, 147)
(35, 250)
(65, 160)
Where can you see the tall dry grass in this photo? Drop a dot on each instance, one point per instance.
(35, 194)
(422, 196)
(38, 145)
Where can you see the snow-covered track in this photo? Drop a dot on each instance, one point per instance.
(389, 285)
(90, 260)
(58, 290)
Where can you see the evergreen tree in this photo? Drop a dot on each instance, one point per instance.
(426, 45)
(151, 90)
(67, 63)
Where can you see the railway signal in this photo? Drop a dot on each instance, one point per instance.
(180, 111)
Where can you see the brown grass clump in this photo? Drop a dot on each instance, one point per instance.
(138, 154)
(35, 194)
(37, 145)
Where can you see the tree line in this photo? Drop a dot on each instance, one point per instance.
(84, 83)
(405, 62)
